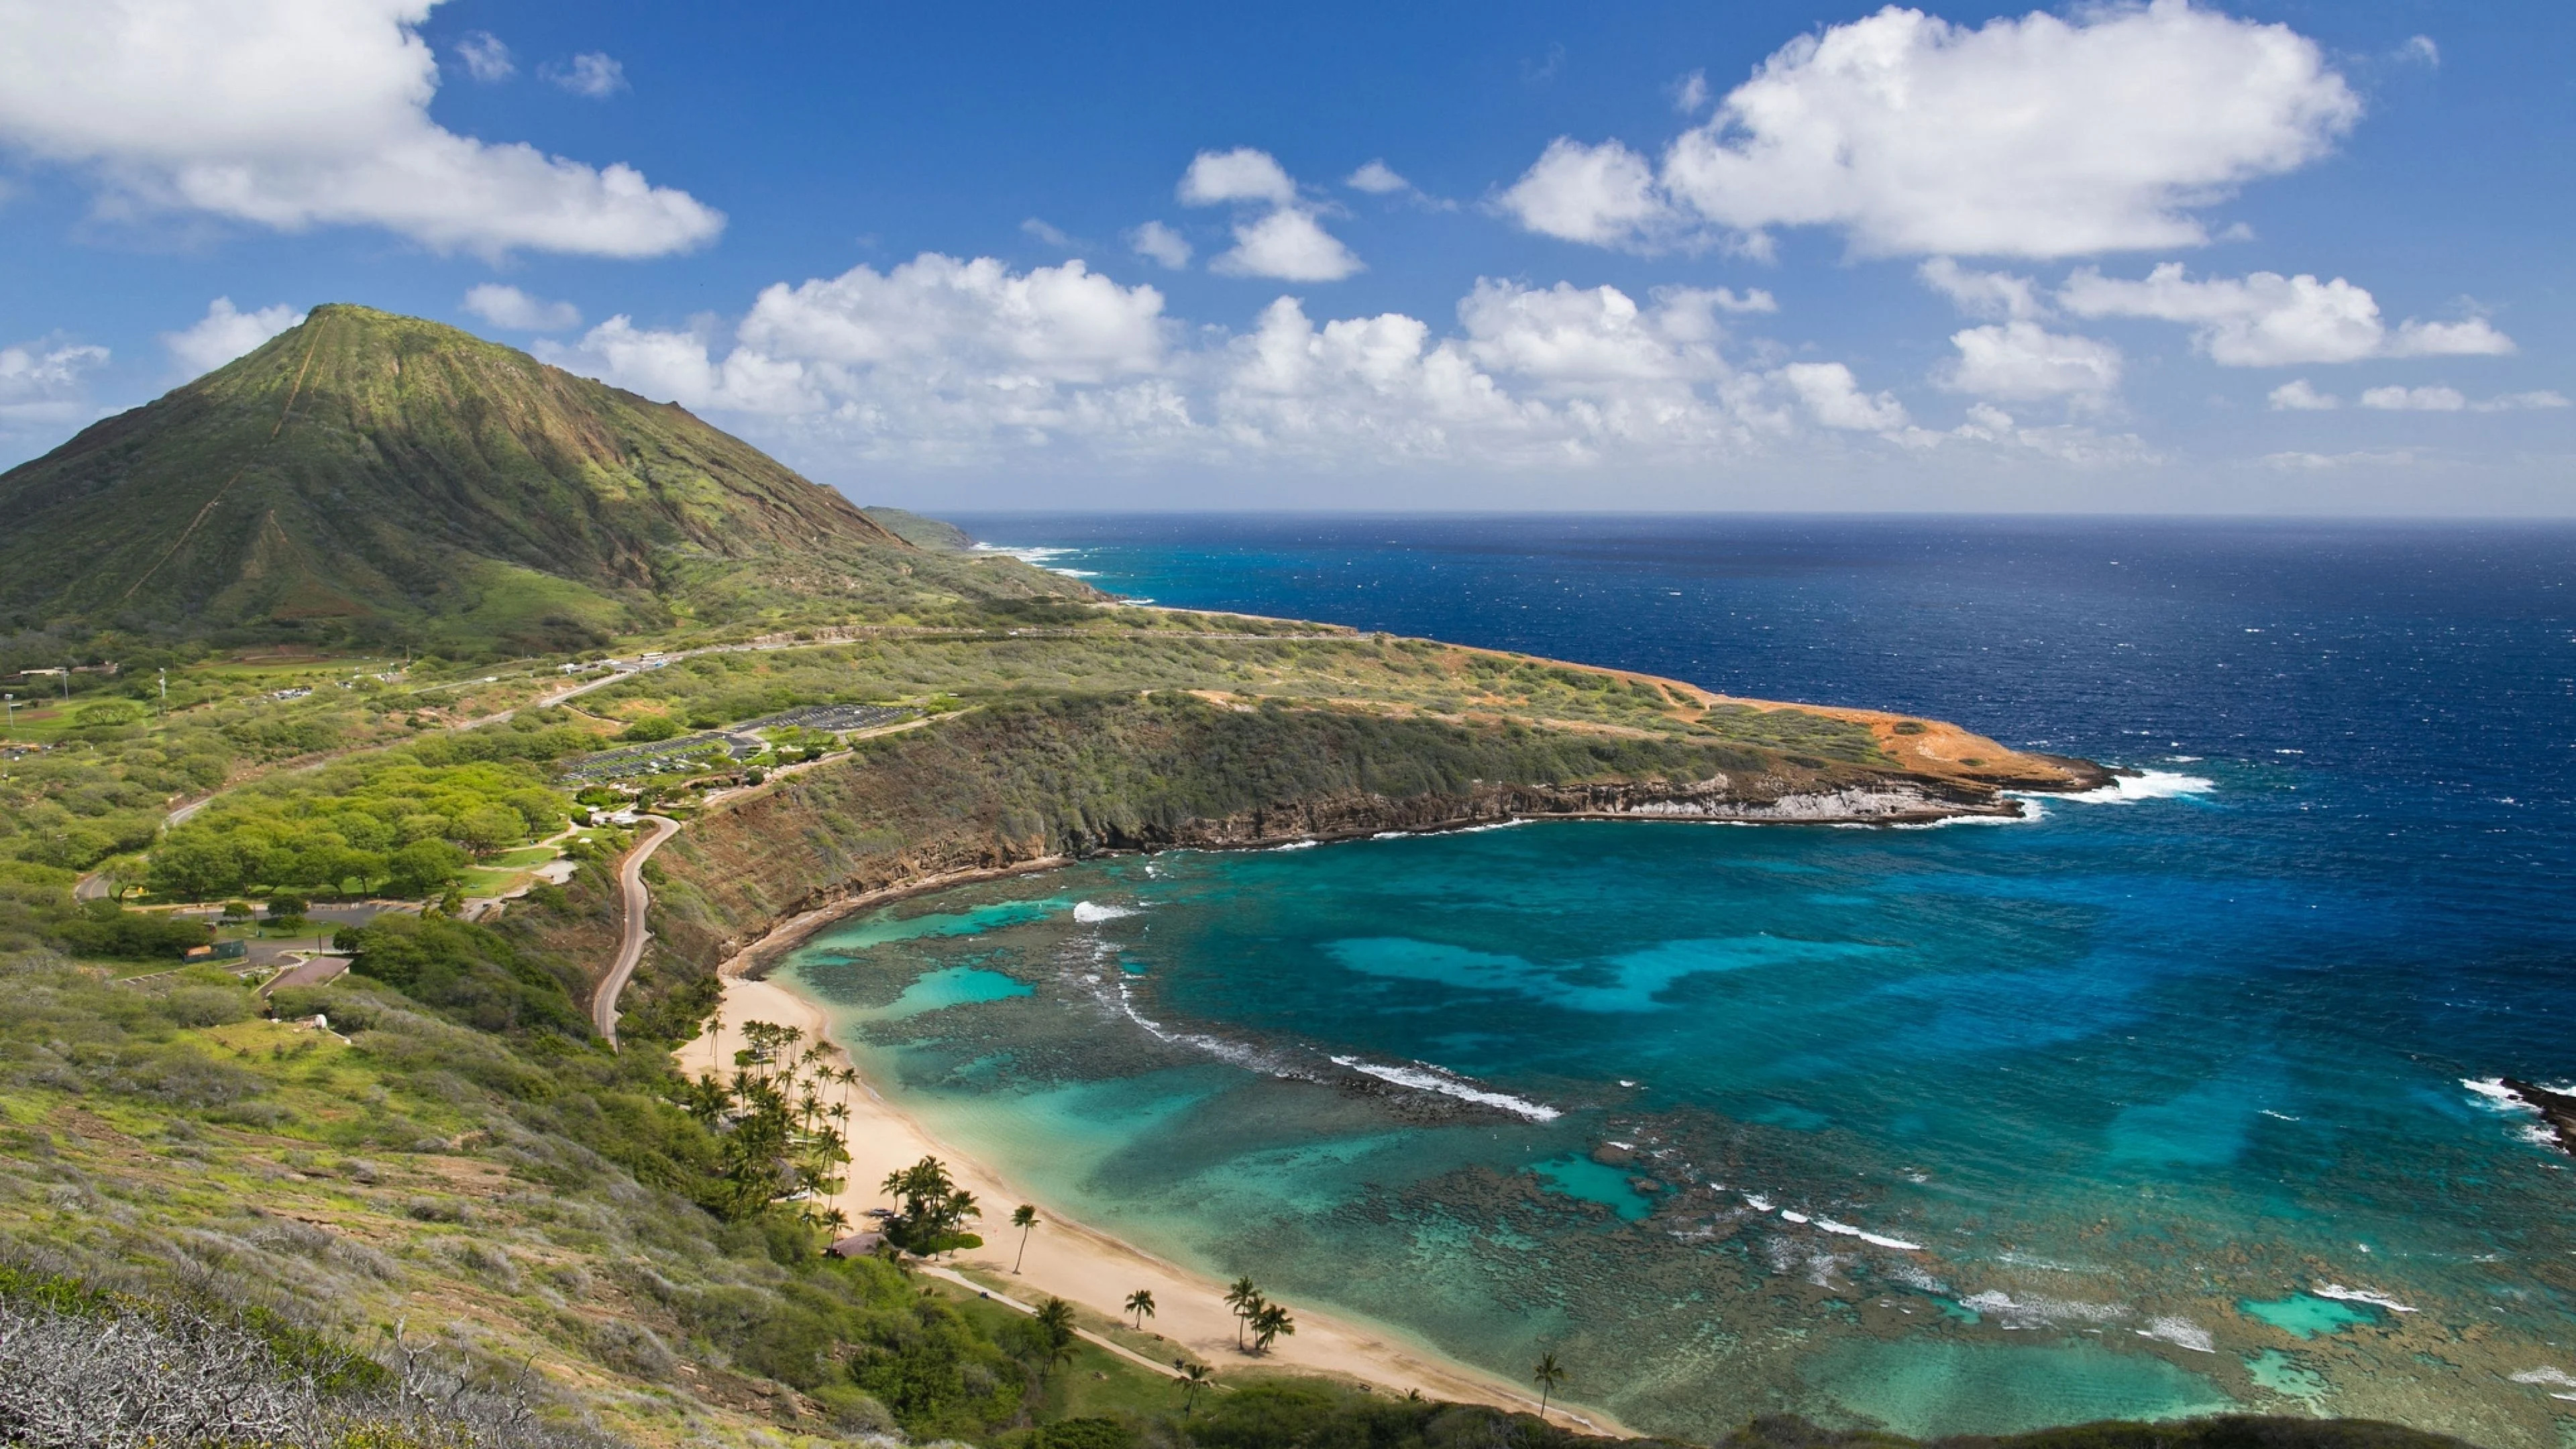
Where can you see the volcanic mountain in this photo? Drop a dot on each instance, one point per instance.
(368, 476)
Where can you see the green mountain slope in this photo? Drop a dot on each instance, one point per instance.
(930, 533)
(367, 476)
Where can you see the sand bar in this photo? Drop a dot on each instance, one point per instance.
(1091, 1268)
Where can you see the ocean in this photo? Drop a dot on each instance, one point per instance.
(2167, 1100)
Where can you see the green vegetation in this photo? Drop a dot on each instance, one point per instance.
(406, 820)
(368, 477)
(921, 532)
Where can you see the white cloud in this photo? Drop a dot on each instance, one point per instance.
(1377, 179)
(2517, 401)
(1603, 195)
(1564, 335)
(2296, 396)
(224, 334)
(1242, 174)
(2067, 443)
(2439, 399)
(2021, 360)
(1047, 232)
(1690, 93)
(1834, 397)
(2327, 462)
(41, 387)
(1983, 294)
(486, 58)
(2036, 137)
(1753, 299)
(1287, 242)
(516, 310)
(2268, 320)
(942, 362)
(591, 74)
(2415, 399)
(299, 113)
(2421, 50)
(1161, 245)
(1290, 245)
(2472, 338)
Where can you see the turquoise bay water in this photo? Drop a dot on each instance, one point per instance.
(2153, 1105)
(1899, 1127)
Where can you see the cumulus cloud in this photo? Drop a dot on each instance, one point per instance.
(486, 58)
(41, 384)
(2023, 361)
(1160, 245)
(2033, 137)
(1290, 245)
(2295, 462)
(2439, 399)
(2297, 396)
(1377, 179)
(1690, 93)
(516, 310)
(590, 74)
(2415, 399)
(948, 362)
(1834, 397)
(2268, 320)
(225, 333)
(1287, 241)
(299, 113)
(1984, 294)
(1603, 195)
(2066, 443)
(1242, 174)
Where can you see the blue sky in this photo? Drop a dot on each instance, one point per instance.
(2277, 258)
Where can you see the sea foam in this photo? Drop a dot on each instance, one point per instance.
(2146, 785)
(1425, 1077)
(1092, 913)
(2359, 1295)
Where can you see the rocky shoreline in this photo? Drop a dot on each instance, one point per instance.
(2557, 1110)
(1346, 817)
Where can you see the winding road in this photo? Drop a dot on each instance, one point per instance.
(636, 900)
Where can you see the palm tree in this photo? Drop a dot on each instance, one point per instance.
(1549, 1375)
(1241, 1298)
(1194, 1377)
(1141, 1303)
(1268, 1323)
(1023, 1217)
(1055, 1316)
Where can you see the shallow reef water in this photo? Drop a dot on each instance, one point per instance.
(2158, 1102)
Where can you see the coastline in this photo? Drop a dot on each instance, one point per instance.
(1076, 1262)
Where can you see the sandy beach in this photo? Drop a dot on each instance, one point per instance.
(1093, 1269)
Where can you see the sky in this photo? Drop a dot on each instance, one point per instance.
(2307, 258)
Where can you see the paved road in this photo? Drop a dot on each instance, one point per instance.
(630, 945)
(311, 971)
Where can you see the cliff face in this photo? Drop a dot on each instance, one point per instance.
(1062, 778)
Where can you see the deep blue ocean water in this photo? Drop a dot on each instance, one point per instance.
(2151, 1105)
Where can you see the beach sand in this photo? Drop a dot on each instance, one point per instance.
(1095, 1270)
